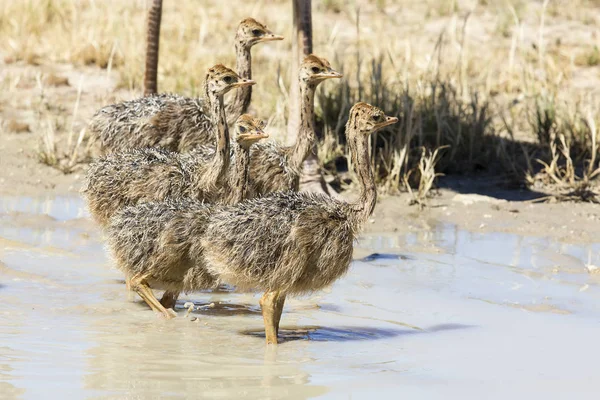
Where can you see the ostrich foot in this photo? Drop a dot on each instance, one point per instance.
(140, 286)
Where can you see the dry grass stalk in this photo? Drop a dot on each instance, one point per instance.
(427, 175)
(48, 151)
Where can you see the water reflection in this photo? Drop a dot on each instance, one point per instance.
(530, 273)
(142, 360)
(61, 208)
(491, 248)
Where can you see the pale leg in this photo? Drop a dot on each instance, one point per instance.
(271, 304)
(140, 286)
(279, 303)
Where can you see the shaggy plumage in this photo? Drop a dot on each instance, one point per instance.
(152, 241)
(162, 120)
(166, 242)
(271, 169)
(171, 121)
(142, 238)
(310, 236)
(123, 179)
(167, 121)
(249, 131)
(284, 243)
(308, 246)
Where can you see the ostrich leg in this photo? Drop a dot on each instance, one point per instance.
(271, 304)
(140, 286)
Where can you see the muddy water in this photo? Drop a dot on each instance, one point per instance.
(461, 315)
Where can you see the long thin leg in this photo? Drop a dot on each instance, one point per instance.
(169, 299)
(279, 303)
(139, 285)
(267, 307)
(271, 304)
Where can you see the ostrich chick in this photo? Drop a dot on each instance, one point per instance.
(273, 166)
(154, 243)
(294, 243)
(172, 121)
(284, 243)
(121, 179)
(249, 131)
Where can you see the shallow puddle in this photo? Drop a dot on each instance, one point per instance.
(466, 316)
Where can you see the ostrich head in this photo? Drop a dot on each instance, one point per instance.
(251, 32)
(249, 130)
(220, 80)
(316, 69)
(366, 119)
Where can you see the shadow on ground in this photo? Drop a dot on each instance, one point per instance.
(492, 186)
(348, 333)
(386, 256)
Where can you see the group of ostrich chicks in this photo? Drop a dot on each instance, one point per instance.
(185, 208)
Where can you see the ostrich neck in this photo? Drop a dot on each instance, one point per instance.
(241, 98)
(359, 152)
(238, 180)
(306, 133)
(220, 162)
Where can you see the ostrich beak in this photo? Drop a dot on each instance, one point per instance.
(270, 36)
(243, 82)
(329, 74)
(388, 121)
(253, 135)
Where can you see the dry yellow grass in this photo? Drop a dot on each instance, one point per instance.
(497, 60)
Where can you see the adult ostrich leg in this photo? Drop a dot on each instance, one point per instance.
(302, 45)
(152, 41)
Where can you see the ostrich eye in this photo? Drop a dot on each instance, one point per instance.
(377, 117)
(242, 129)
(316, 70)
(227, 79)
(256, 32)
